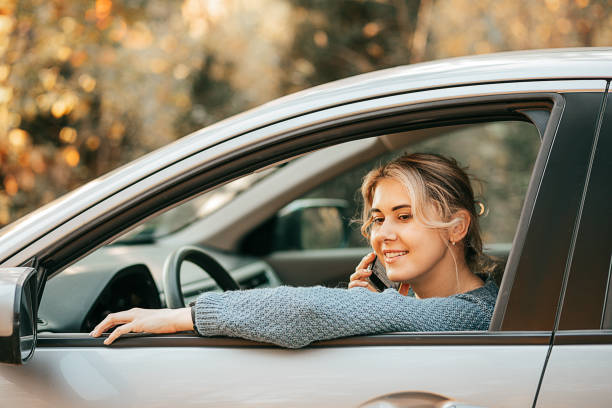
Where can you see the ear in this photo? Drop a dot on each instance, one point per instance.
(460, 227)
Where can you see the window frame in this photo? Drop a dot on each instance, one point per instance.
(553, 199)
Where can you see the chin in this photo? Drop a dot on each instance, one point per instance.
(397, 274)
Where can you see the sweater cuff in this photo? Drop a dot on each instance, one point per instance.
(207, 308)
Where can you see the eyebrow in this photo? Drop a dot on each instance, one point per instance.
(397, 207)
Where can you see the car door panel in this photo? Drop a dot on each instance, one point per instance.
(578, 369)
(577, 375)
(270, 376)
(329, 267)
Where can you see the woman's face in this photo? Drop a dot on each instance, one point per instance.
(409, 250)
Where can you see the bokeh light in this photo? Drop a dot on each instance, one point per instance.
(71, 156)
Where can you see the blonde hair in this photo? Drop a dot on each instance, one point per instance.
(432, 179)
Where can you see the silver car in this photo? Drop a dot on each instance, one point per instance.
(268, 198)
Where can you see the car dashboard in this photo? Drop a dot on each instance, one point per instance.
(78, 298)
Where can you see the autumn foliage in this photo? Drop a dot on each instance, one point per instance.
(86, 86)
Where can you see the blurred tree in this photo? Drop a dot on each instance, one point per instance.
(492, 25)
(92, 85)
(88, 86)
(336, 39)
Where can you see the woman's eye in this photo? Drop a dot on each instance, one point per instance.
(404, 217)
(378, 220)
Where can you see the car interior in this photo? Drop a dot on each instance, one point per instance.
(293, 223)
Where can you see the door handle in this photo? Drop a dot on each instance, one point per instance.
(414, 399)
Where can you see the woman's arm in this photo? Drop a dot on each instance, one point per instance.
(294, 317)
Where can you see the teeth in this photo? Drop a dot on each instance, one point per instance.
(395, 254)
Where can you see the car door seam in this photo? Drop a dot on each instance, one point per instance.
(573, 240)
(606, 300)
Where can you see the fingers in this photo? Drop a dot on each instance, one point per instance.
(361, 271)
(112, 320)
(365, 261)
(359, 279)
(358, 284)
(123, 320)
(362, 284)
(360, 274)
(119, 331)
(144, 321)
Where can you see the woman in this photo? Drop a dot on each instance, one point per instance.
(421, 220)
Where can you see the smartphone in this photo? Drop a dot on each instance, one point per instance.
(378, 278)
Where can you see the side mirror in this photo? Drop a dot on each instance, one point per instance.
(18, 303)
(312, 223)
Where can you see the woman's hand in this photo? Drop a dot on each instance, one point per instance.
(144, 321)
(359, 278)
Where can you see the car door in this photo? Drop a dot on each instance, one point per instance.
(501, 367)
(578, 369)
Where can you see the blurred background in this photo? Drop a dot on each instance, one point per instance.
(86, 86)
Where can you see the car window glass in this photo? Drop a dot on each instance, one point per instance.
(192, 210)
(499, 156)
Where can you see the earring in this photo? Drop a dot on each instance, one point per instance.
(453, 243)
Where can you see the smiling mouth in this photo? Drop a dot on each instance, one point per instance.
(390, 256)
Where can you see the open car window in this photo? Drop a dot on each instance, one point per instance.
(500, 156)
(189, 212)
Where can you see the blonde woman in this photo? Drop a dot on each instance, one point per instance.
(420, 218)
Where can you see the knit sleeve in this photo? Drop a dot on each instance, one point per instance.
(296, 316)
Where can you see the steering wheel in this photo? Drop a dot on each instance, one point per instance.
(172, 273)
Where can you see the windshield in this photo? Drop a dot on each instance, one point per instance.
(181, 216)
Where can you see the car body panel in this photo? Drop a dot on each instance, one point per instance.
(326, 377)
(576, 375)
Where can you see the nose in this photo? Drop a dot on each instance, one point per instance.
(386, 231)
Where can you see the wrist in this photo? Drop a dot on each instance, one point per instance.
(192, 308)
(184, 322)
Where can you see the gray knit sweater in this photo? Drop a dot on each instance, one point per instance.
(296, 316)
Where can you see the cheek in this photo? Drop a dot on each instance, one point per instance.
(374, 240)
(410, 236)
(431, 244)
(420, 238)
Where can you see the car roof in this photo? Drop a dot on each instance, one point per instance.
(551, 64)
(555, 64)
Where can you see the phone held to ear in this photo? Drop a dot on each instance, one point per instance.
(378, 278)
